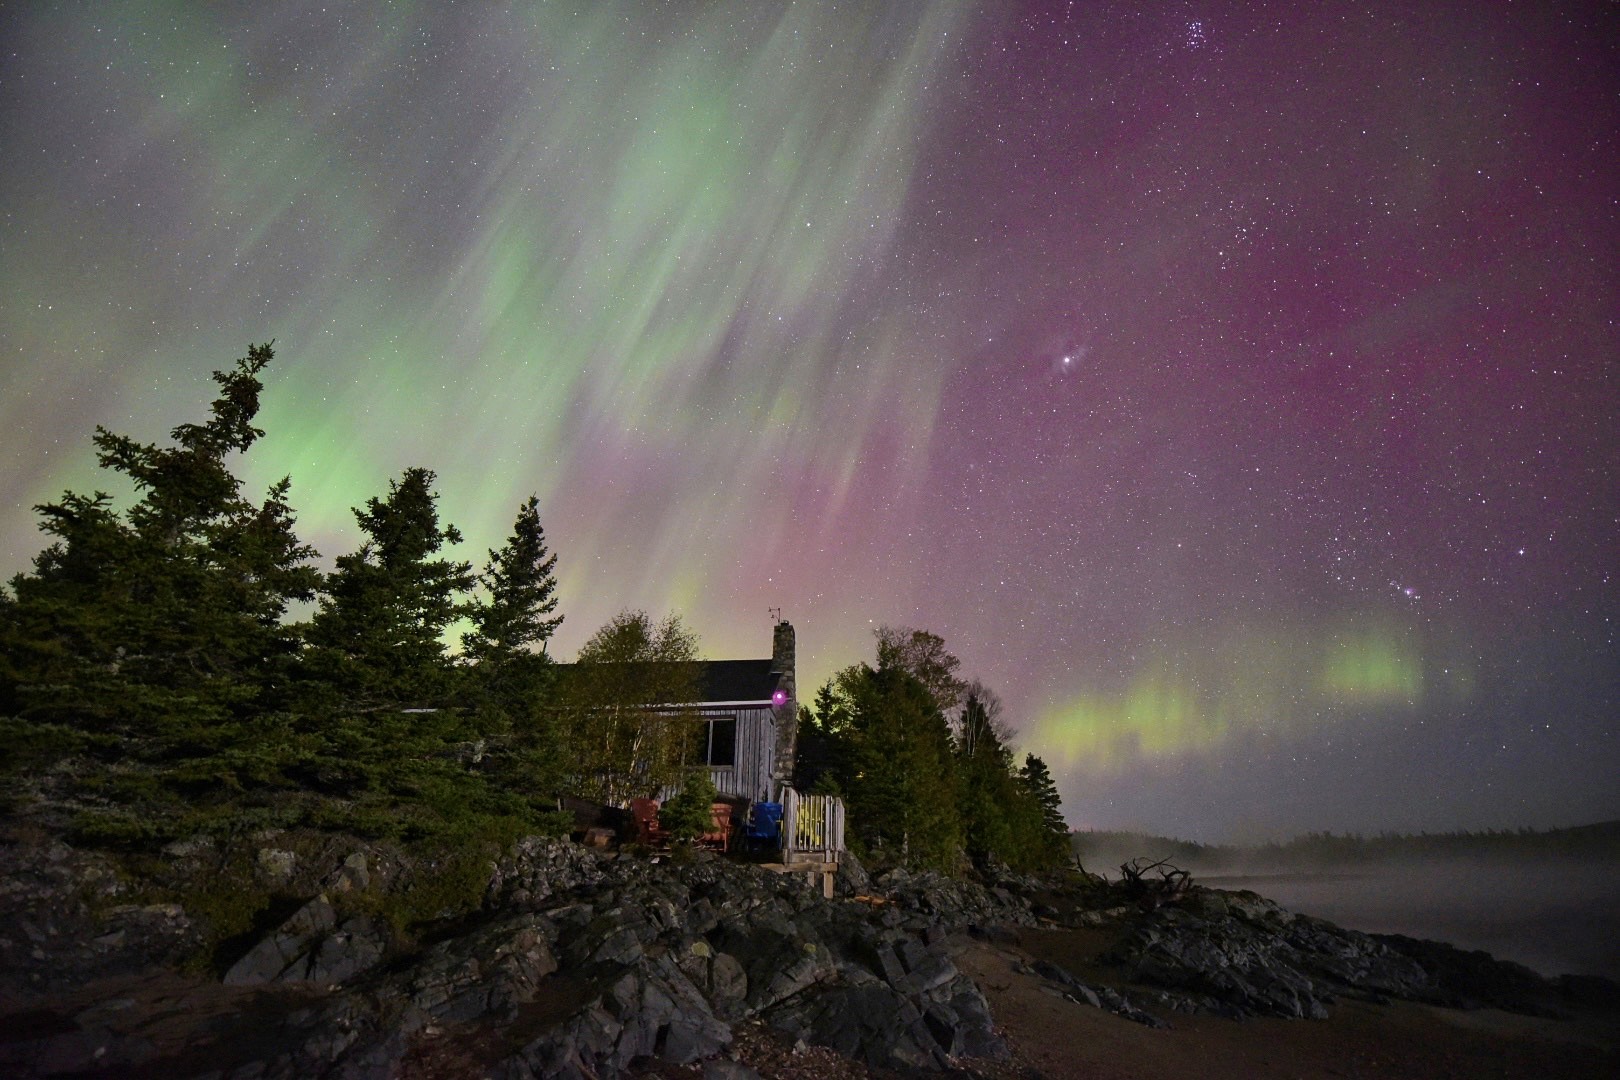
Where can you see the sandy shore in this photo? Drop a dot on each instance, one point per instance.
(1064, 1040)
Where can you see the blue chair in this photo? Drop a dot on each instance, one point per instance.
(764, 826)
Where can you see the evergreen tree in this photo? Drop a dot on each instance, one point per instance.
(1005, 818)
(988, 788)
(888, 749)
(690, 813)
(378, 635)
(61, 630)
(515, 615)
(821, 748)
(168, 619)
(510, 680)
(1037, 782)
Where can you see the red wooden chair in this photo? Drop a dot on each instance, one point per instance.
(719, 834)
(648, 831)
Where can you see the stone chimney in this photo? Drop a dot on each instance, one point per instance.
(787, 709)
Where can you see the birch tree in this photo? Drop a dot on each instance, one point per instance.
(627, 707)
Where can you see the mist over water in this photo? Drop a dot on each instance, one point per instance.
(1550, 901)
(1554, 915)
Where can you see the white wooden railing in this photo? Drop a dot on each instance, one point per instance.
(812, 826)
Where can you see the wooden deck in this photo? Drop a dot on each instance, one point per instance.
(827, 870)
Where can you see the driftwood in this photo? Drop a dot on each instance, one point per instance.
(1171, 884)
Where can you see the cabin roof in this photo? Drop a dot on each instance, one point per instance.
(738, 680)
(732, 682)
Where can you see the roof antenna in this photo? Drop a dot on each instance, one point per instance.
(776, 614)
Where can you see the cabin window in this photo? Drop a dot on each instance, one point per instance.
(718, 742)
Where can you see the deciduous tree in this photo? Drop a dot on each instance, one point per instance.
(923, 655)
(627, 704)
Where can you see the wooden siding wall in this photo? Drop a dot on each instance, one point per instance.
(756, 752)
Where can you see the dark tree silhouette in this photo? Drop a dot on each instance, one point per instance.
(379, 632)
(521, 583)
(169, 616)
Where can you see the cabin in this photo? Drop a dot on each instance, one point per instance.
(749, 724)
(749, 714)
(750, 718)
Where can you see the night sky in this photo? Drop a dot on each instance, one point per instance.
(1234, 388)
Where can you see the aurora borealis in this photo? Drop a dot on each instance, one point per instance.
(1234, 389)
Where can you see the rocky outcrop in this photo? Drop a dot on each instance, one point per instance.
(1239, 954)
(924, 900)
(580, 965)
(1469, 979)
(905, 1007)
(1242, 955)
(68, 917)
(315, 945)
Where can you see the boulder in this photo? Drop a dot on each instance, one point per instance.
(312, 945)
(1251, 957)
(490, 971)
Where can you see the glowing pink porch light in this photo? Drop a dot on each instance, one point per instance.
(779, 698)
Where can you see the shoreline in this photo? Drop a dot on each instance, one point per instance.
(1063, 1039)
(1554, 925)
(584, 963)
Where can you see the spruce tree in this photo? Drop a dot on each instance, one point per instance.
(888, 749)
(690, 813)
(988, 787)
(822, 746)
(378, 635)
(167, 619)
(520, 581)
(510, 678)
(1037, 782)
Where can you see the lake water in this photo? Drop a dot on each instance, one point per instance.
(1552, 915)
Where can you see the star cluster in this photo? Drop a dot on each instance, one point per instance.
(1232, 387)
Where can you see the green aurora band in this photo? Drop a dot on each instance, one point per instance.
(1238, 404)
(655, 250)
(1196, 698)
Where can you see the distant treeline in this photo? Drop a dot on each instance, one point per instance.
(1101, 851)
